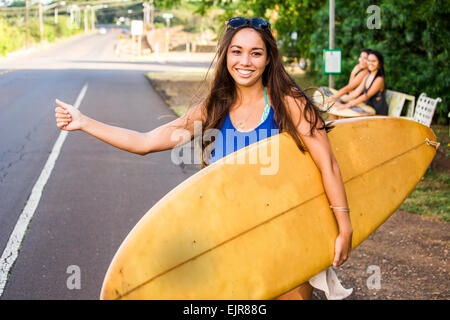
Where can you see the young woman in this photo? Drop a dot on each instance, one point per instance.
(357, 75)
(371, 90)
(250, 91)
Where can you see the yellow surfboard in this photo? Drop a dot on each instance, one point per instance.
(246, 229)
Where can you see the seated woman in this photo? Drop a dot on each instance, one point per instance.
(358, 74)
(371, 90)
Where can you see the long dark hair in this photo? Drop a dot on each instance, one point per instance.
(366, 50)
(222, 92)
(380, 72)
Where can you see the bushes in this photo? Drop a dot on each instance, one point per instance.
(65, 28)
(12, 36)
(413, 40)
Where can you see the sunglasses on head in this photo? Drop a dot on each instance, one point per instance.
(256, 23)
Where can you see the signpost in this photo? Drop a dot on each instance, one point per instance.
(332, 58)
(167, 16)
(137, 27)
(332, 61)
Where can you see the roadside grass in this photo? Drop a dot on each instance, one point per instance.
(178, 89)
(430, 198)
(177, 76)
(303, 80)
(12, 32)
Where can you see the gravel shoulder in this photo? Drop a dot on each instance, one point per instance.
(411, 254)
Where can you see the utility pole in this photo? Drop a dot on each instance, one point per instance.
(41, 21)
(331, 40)
(145, 11)
(26, 25)
(86, 22)
(93, 18)
(152, 8)
(167, 17)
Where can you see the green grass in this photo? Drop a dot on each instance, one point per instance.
(431, 197)
(178, 76)
(303, 80)
(12, 32)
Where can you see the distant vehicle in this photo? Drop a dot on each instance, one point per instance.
(126, 32)
(102, 30)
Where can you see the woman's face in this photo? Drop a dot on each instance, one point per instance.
(372, 62)
(363, 60)
(247, 57)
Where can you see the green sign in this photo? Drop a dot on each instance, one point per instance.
(332, 61)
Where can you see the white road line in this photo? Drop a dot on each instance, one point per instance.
(11, 251)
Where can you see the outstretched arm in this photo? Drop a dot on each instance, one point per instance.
(354, 83)
(162, 138)
(355, 93)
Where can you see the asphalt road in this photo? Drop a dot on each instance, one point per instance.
(95, 193)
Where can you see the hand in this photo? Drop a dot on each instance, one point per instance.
(340, 106)
(67, 117)
(329, 100)
(343, 247)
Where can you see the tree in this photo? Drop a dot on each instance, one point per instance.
(292, 20)
(413, 38)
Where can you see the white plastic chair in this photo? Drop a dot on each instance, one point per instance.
(425, 108)
(396, 102)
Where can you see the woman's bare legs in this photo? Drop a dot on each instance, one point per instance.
(302, 292)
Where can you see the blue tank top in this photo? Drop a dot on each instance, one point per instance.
(229, 139)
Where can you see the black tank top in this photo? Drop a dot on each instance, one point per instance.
(378, 100)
